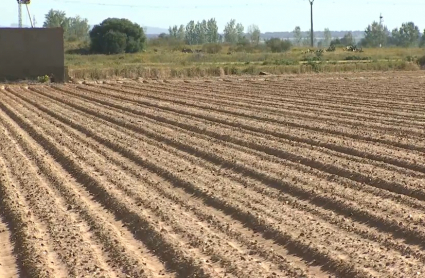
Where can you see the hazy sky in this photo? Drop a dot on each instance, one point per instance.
(269, 15)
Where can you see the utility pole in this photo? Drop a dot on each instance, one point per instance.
(19, 14)
(312, 32)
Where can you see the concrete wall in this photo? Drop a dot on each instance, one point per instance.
(31, 52)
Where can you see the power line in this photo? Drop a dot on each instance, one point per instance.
(219, 6)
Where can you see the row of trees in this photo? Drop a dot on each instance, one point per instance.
(75, 28)
(121, 35)
(407, 35)
(376, 35)
(206, 31)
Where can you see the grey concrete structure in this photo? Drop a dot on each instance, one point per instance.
(30, 52)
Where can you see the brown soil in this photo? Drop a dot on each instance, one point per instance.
(313, 176)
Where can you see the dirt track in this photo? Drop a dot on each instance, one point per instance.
(291, 177)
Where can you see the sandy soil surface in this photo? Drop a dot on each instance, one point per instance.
(294, 176)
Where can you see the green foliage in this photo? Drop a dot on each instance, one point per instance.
(115, 36)
(422, 40)
(357, 58)
(315, 66)
(278, 45)
(114, 42)
(347, 39)
(199, 33)
(212, 48)
(328, 37)
(376, 35)
(55, 18)
(212, 31)
(177, 33)
(233, 32)
(280, 62)
(421, 61)
(75, 28)
(254, 34)
(297, 35)
(405, 36)
(43, 79)
(410, 58)
(336, 43)
(311, 59)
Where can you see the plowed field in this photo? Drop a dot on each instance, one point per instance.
(290, 177)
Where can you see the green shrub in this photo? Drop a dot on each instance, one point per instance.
(278, 45)
(212, 48)
(421, 61)
(43, 79)
(115, 35)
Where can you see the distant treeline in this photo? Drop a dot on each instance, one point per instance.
(290, 35)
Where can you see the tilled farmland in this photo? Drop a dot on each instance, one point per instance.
(296, 176)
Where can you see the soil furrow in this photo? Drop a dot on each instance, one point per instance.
(382, 223)
(284, 131)
(161, 244)
(147, 198)
(293, 157)
(119, 243)
(283, 100)
(288, 106)
(8, 265)
(185, 201)
(270, 90)
(104, 143)
(320, 175)
(265, 114)
(32, 243)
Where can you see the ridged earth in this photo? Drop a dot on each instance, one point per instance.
(296, 176)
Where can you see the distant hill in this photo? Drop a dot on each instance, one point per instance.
(16, 25)
(155, 30)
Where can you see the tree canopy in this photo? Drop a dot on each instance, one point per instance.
(407, 35)
(201, 32)
(376, 35)
(115, 35)
(75, 28)
(233, 32)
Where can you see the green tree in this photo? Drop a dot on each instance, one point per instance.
(239, 31)
(376, 35)
(112, 31)
(347, 39)
(163, 36)
(75, 28)
(328, 37)
(172, 31)
(212, 31)
(114, 42)
(190, 34)
(201, 32)
(78, 28)
(297, 35)
(422, 41)
(181, 33)
(55, 18)
(407, 35)
(230, 32)
(254, 34)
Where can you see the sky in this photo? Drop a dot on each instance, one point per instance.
(269, 15)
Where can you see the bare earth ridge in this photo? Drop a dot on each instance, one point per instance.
(291, 176)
